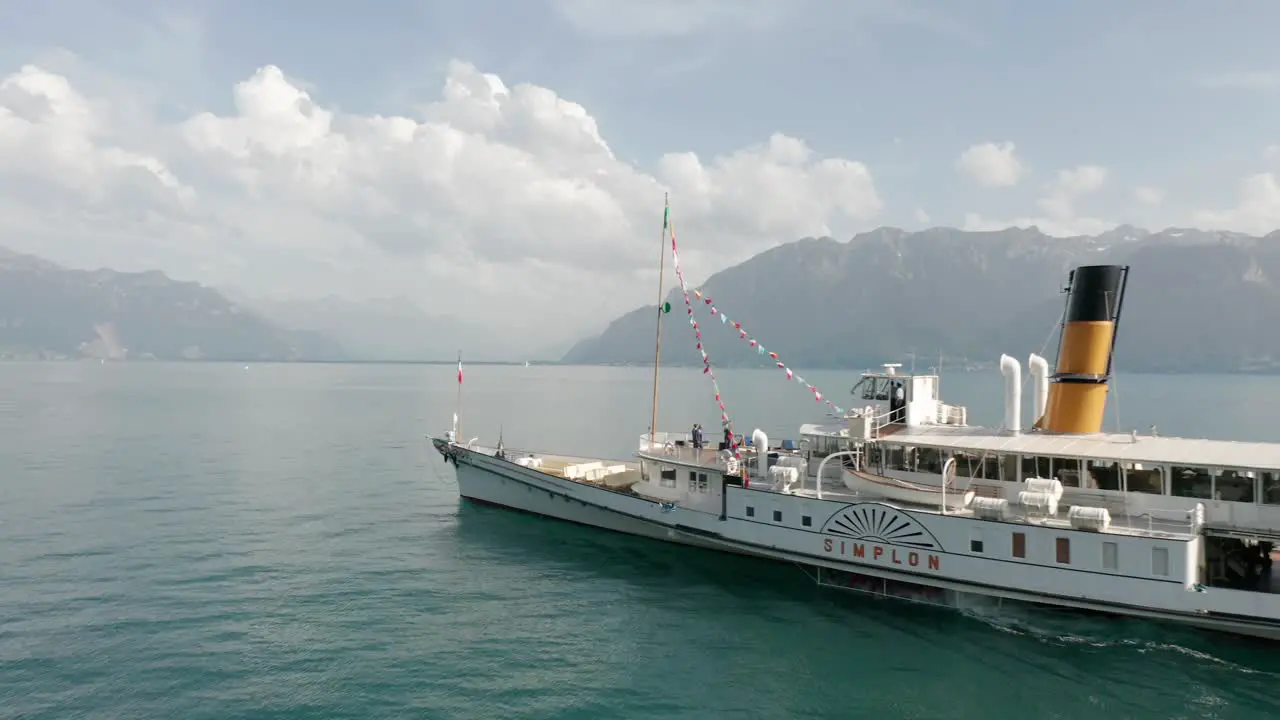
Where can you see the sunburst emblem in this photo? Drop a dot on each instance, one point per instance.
(880, 523)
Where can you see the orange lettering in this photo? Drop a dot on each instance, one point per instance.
(841, 547)
(878, 552)
(913, 559)
(935, 562)
(896, 561)
(859, 550)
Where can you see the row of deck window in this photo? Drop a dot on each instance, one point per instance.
(805, 520)
(1230, 484)
(698, 482)
(1062, 552)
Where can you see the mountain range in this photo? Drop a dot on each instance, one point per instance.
(50, 311)
(54, 312)
(1196, 301)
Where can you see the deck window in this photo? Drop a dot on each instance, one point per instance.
(1104, 475)
(1067, 470)
(929, 460)
(1036, 467)
(1270, 487)
(751, 512)
(1160, 561)
(1064, 551)
(895, 458)
(1143, 479)
(698, 482)
(1110, 556)
(806, 521)
(977, 467)
(975, 541)
(1192, 482)
(777, 516)
(1009, 468)
(668, 479)
(1020, 545)
(1234, 486)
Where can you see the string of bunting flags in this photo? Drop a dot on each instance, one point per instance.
(697, 332)
(760, 349)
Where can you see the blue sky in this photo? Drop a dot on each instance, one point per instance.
(1177, 97)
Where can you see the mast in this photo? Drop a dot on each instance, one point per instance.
(657, 338)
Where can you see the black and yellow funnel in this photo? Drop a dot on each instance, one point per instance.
(1078, 387)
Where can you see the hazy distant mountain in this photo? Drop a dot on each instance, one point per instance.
(393, 329)
(1197, 300)
(47, 310)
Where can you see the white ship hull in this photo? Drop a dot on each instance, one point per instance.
(870, 563)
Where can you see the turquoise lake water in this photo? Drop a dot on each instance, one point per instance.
(210, 541)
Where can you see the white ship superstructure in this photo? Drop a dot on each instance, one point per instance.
(902, 497)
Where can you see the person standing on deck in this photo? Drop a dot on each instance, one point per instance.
(696, 436)
(898, 404)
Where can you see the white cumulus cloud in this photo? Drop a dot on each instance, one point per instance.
(492, 199)
(992, 165)
(1256, 212)
(1149, 196)
(1058, 206)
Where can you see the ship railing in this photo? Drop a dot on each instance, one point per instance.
(881, 421)
(678, 447)
(1155, 520)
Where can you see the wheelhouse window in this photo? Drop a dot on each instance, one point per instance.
(1144, 479)
(668, 478)
(1192, 482)
(1234, 486)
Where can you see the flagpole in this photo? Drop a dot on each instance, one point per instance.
(457, 424)
(657, 339)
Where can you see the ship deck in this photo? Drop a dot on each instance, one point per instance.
(1174, 524)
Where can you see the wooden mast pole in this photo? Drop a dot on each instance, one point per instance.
(657, 338)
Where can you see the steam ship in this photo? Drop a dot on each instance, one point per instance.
(901, 497)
